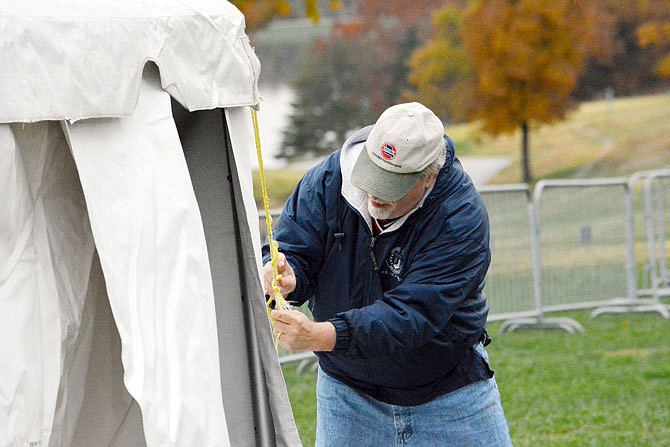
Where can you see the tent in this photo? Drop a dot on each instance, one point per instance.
(131, 306)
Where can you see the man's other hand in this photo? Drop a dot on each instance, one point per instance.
(286, 281)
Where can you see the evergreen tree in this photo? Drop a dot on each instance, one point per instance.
(331, 102)
(355, 76)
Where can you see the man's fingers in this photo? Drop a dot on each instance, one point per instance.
(286, 316)
(279, 315)
(279, 325)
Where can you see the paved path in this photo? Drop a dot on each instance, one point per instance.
(483, 169)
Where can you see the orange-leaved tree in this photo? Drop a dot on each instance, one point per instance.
(656, 33)
(631, 49)
(527, 56)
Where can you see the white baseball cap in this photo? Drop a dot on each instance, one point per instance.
(403, 142)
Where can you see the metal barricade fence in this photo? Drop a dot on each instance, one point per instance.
(574, 244)
(647, 196)
(656, 217)
(262, 224)
(659, 192)
(582, 240)
(509, 282)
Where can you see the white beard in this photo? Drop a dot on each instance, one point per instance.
(380, 214)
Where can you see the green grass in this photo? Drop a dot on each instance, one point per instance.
(607, 387)
(280, 185)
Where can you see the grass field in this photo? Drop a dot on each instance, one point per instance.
(609, 387)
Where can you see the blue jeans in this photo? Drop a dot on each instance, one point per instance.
(471, 416)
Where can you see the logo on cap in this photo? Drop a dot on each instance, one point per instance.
(388, 151)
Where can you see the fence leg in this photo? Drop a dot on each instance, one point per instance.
(566, 324)
(639, 306)
(539, 322)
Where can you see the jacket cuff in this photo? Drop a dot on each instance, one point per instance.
(343, 341)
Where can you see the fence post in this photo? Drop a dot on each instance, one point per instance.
(634, 303)
(660, 276)
(509, 282)
(539, 321)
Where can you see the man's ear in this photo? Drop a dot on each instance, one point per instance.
(430, 179)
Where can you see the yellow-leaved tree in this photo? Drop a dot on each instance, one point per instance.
(441, 71)
(527, 56)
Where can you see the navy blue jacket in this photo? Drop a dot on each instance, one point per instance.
(408, 304)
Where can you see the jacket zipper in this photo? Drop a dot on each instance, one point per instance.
(373, 258)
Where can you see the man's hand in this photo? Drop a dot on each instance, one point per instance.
(286, 282)
(296, 332)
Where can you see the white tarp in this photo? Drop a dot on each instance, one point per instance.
(46, 251)
(74, 59)
(44, 264)
(149, 234)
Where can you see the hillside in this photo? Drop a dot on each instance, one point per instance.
(599, 139)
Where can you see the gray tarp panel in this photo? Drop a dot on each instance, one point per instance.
(109, 416)
(249, 367)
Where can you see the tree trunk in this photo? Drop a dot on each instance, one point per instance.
(527, 178)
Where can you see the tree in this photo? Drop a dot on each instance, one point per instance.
(656, 33)
(441, 71)
(630, 49)
(330, 102)
(355, 75)
(390, 30)
(527, 56)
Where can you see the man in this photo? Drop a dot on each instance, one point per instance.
(388, 239)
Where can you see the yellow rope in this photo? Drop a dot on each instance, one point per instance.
(279, 300)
